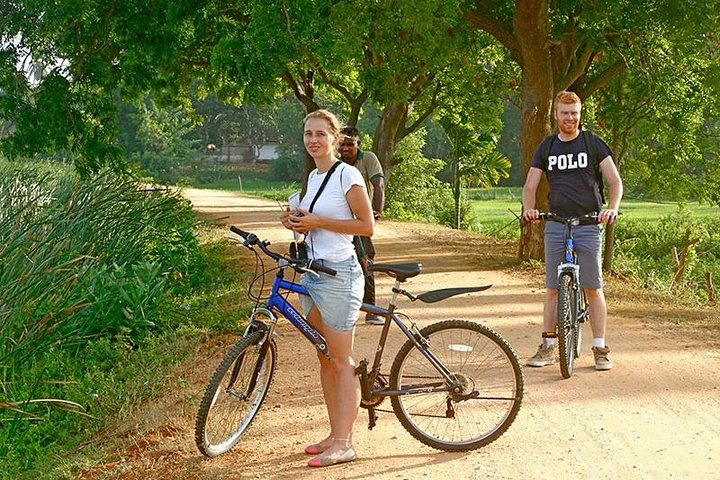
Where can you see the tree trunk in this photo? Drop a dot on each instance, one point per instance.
(609, 248)
(386, 135)
(457, 190)
(531, 19)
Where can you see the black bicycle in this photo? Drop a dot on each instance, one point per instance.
(454, 385)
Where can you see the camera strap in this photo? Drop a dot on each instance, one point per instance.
(322, 185)
(298, 249)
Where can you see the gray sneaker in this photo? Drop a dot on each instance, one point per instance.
(545, 356)
(602, 361)
(372, 319)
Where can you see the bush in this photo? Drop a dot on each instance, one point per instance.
(80, 260)
(414, 193)
(647, 251)
(445, 214)
(288, 168)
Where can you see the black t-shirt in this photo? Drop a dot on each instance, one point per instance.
(574, 190)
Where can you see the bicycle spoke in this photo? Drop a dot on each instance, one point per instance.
(485, 370)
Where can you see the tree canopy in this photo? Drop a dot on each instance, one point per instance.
(647, 71)
(583, 46)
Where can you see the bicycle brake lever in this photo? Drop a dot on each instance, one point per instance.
(307, 270)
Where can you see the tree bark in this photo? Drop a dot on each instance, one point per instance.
(457, 190)
(548, 65)
(608, 248)
(531, 20)
(386, 135)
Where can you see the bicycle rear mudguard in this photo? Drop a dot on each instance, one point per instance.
(436, 295)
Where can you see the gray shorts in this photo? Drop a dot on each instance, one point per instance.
(588, 247)
(337, 298)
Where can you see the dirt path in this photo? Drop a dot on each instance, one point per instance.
(655, 415)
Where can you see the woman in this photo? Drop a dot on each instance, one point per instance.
(340, 211)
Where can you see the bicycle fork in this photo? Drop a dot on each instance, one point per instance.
(253, 327)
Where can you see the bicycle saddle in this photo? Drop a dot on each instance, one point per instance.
(401, 271)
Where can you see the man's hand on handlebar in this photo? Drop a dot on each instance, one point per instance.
(608, 215)
(531, 215)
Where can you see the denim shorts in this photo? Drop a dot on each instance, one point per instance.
(588, 248)
(337, 298)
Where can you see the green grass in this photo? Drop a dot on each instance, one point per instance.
(654, 211)
(254, 183)
(495, 209)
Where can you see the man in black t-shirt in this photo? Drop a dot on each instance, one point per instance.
(574, 191)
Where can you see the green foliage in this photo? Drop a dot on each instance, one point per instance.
(660, 123)
(127, 296)
(81, 259)
(649, 250)
(290, 165)
(446, 214)
(110, 379)
(414, 192)
(162, 147)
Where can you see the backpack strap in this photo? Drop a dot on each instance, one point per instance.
(545, 147)
(591, 145)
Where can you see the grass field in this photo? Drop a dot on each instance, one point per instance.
(496, 210)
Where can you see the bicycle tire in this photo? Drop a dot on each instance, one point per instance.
(567, 324)
(224, 417)
(483, 361)
(582, 317)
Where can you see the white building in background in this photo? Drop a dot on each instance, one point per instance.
(243, 153)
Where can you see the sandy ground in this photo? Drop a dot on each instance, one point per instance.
(655, 415)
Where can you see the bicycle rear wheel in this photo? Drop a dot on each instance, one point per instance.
(233, 398)
(484, 366)
(569, 333)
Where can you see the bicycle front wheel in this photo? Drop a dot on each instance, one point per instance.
(234, 395)
(567, 324)
(480, 363)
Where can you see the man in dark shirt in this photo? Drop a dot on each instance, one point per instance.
(574, 191)
(371, 170)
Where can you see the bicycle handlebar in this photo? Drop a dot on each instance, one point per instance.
(321, 268)
(569, 220)
(557, 218)
(298, 264)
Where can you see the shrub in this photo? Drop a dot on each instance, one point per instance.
(80, 260)
(414, 193)
(647, 251)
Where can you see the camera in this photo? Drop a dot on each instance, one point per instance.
(298, 251)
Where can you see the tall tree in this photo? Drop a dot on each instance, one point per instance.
(396, 53)
(581, 46)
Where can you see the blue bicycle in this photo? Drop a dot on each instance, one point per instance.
(454, 385)
(572, 306)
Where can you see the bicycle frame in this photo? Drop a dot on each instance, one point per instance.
(276, 302)
(572, 267)
(389, 314)
(570, 264)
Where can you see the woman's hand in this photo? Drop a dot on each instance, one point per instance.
(302, 221)
(285, 218)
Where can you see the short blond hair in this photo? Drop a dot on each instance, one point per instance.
(564, 96)
(328, 116)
